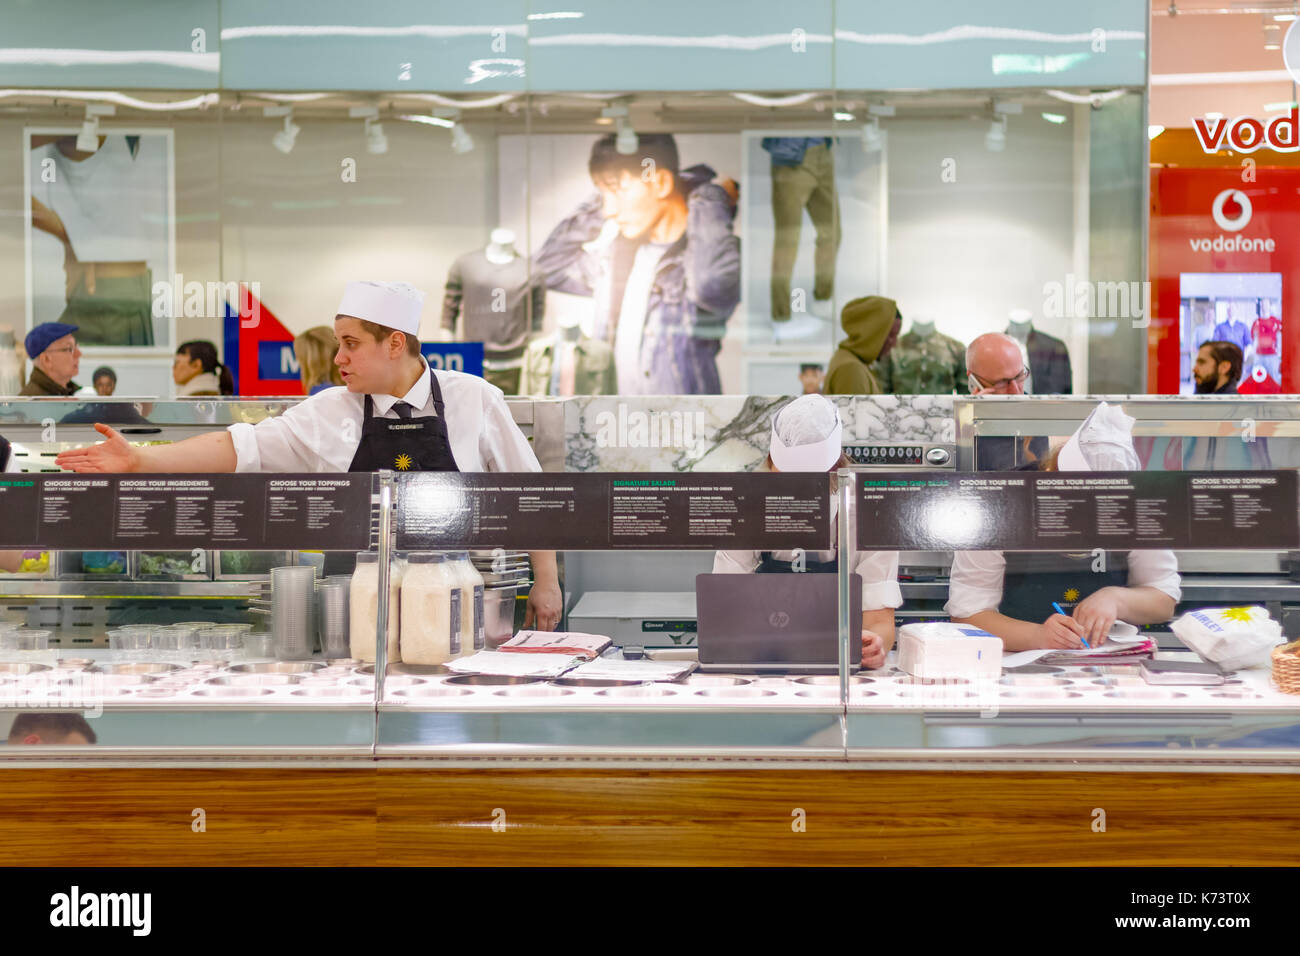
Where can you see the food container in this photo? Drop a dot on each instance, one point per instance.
(252, 680)
(489, 680)
(533, 690)
(249, 565)
(410, 670)
(499, 614)
(336, 691)
(24, 639)
(277, 667)
(293, 612)
(92, 565)
(257, 644)
(644, 690)
(717, 680)
(195, 565)
(432, 690)
(140, 667)
(234, 692)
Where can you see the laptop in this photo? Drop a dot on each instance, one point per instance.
(774, 622)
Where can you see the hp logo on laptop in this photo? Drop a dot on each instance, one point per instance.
(779, 619)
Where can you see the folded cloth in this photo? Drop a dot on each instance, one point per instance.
(588, 646)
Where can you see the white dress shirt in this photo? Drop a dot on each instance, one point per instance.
(879, 571)
(975, 583)
(322, 432)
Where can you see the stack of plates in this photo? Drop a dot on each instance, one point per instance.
(501, 568)
(293, 611)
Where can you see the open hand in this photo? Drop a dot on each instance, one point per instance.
(114, 454)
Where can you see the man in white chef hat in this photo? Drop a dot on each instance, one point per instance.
(393, 412)
(806, 436)
(1011, 594)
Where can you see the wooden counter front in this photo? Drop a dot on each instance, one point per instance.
(431, 816)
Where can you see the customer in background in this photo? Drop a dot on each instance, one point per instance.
(105, 381)
(196, 370)
(35, 729)
(1217, 369)
(55, 360)
(314, 350)
(872, 324)
(997, 364)
(811, 378)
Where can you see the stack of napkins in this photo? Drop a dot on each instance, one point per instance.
(515, 665)
(615, 668)
(586, 646)
(944, 651)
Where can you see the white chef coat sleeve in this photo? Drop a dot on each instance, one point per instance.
(1155, 569)
(502, 446)
(312, 436)
(975, 582)
(735, 562)
(879, 570)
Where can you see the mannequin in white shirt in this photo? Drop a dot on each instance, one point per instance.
(376, 359)
(501, 247)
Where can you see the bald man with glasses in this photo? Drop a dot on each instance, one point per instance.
(996, 364)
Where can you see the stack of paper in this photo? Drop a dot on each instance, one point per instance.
(587, 646)
(1124, 645)
(514, 665)
(615, 668)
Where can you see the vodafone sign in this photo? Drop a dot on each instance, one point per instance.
(1231, 210)
(1245, 134)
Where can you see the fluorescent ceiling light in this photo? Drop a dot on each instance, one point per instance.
(1054, 118)
(427, 120)
(845, 117)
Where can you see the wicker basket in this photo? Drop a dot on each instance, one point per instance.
(1286, 667)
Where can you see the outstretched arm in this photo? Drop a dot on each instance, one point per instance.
(214, 452)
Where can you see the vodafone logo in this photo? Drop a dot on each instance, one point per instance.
(1231, 210)
(1245, 134)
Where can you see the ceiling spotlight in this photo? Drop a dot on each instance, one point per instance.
(461, 142)
(284, 140)
(873, 138)
(376, 141)
(626, 141)
(88, 137)
(995, 140)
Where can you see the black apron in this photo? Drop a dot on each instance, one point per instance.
(1034, 580)
(770, 565)
(405, 444)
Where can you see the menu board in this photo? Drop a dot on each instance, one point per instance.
(180, 512)
(639, 511)
(1072, 511)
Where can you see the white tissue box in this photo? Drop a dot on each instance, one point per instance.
(940, 651)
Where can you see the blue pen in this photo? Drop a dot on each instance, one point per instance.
(1063, 614)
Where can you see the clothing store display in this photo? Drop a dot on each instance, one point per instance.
(109, 205)
(584, 367)
(498, 304)
(1049, 359)
(924, 362)
(803, 177)
(1231, 330)
(1266, 334)
(867, 321)
(694, 288)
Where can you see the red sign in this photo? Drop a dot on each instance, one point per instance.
(1225, 263)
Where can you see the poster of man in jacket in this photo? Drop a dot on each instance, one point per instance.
(654, 249)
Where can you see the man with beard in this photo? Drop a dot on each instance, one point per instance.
(1217, 368)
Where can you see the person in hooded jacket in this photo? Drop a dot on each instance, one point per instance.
(872, 324)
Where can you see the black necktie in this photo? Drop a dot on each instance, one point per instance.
(403, 409)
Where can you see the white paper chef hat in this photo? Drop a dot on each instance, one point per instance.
(806, 435)
(1104, 442)
(394, 305)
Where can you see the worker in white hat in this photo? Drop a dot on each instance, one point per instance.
(1012, 594)
(393, 411)
(806, 436)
